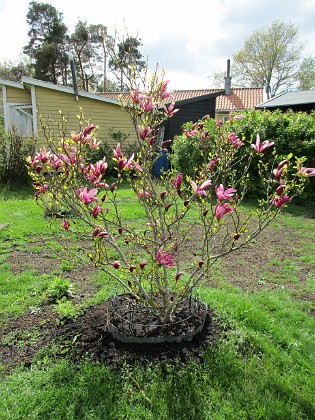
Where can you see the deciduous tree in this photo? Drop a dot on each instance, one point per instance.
(306, 74)
(270, 57)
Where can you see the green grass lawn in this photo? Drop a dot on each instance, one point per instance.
(263, 367)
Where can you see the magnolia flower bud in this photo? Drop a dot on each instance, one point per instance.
(143, 264)
(116, 264)
(178, 275)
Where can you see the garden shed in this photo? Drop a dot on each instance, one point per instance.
(303, 101)
(29, 104)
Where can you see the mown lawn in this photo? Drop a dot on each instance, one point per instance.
(262, 367)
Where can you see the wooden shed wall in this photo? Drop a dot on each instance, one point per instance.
(192, 111)
(109, 117)
(19, 96)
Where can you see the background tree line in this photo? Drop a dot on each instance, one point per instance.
(51, 45)
(271, 57)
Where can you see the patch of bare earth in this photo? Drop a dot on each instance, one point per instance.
(87, 337)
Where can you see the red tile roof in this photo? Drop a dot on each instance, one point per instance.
(240, 98)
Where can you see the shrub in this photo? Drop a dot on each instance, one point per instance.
(292, 133)
(190, 152)
(13, 152)
(149, 260)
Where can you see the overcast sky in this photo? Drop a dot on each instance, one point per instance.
(189, 40)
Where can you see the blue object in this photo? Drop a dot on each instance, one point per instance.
(161, 163)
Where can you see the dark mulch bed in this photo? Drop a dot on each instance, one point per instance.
(88, 338)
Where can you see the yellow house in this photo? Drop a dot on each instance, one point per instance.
(28, 106)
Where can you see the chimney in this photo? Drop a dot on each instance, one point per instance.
(74, 79)
(227, 79)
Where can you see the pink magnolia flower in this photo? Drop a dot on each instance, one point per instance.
(198, 126)
(237, 117)
(41, 156)
(307, 171)
(170, 109)
(93, 143)
(96, 211)
(224, 194)
(144, 132)
(164, 94)
(117, 152)
(98, 232)
(190, 134)
(201, 190)
(86, 196)
(75, 137)
(112, 187)
(146, 104)
(279, 201)
(221, 209)
(277, 173)
(66, 224)
(56, 162)
(212, 163)
(144, 194)
(94, 172)
(84, 135)
(136, 95)
(260, 147)
(282, 163)
(205, 135)
(234, 140)
(165, 258)
(88, 129)
(131, 164)
(280, 189)
(143, 264)
(178, 181)
(41, 188)
(100, 167)
(219, 123)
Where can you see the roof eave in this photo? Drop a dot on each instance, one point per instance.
(10, 83)
(200, 98)
(29, 81)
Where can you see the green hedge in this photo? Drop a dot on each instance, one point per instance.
(291, 132)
